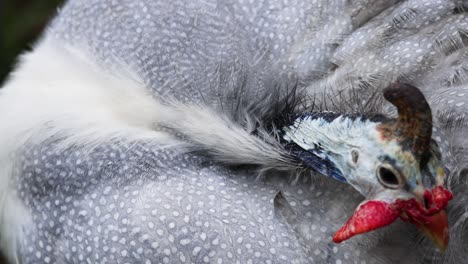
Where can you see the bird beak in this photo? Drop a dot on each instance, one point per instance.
(430, 219)
(436, 228)
(374, 214)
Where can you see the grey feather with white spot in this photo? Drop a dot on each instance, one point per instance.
(135, 202)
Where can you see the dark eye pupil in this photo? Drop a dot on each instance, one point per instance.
(387, 177)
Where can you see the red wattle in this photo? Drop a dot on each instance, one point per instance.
(374, 214)
(367, 217)
(437, 199)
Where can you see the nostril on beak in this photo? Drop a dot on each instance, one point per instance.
(426, 203)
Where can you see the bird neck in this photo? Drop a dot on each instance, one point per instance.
(322, 140)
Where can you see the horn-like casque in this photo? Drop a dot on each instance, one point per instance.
(414, 122)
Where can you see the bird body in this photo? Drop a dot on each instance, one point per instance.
(184, 131)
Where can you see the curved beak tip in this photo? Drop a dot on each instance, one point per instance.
(436, 228)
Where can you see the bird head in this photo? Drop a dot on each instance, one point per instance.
(393, 162)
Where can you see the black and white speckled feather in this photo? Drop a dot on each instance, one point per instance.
(135, 130)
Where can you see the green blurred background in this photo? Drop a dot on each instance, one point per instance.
(21, 22)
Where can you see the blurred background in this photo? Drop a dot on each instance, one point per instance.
(21, 22)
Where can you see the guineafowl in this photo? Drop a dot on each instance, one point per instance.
(239, 131)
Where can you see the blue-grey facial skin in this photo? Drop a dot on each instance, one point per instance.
(131, 202)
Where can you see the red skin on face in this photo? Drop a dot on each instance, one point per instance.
(369, 216)
(376, 214)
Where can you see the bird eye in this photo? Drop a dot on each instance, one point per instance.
(388, 177)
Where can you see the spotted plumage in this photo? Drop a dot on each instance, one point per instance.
(136, 131)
